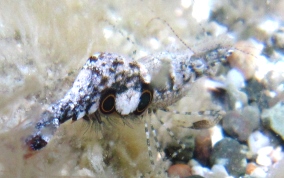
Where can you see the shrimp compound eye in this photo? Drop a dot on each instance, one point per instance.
(36, 142)
(145, 100)
(107, 102)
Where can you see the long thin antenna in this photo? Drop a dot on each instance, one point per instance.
(165, 22)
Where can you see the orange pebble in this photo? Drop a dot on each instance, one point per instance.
(181, 170)
(250, 168)
(244, 58)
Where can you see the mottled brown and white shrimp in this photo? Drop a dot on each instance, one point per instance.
(112, 84)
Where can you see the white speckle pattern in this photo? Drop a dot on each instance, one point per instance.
(123, 100)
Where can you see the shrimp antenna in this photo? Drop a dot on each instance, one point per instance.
(173, 31)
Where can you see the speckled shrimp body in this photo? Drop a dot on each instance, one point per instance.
(109, 83)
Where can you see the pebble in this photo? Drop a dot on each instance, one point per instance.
(250, 168)
(197, 170)
(259, 173)
(237, 98)
(267, 150)
(255, 93)
(193, 162)
(274, 78)
(276, 170)
(263, 160)
(268, 26)
(203, 147)
(240, 124)
(257, 140)
(278, 39)
(276, 154)
(216, 134)
(229, 153)
(217, 171)
(239, 59)
(273, 118)
(235, 78)
(255, 171)
(181, 170)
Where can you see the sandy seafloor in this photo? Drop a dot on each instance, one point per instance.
(45, 43)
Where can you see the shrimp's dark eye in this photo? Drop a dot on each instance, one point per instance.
(107, 102)
(145, 100)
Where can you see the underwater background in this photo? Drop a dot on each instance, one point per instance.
(44, 44)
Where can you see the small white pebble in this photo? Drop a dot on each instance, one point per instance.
(258, 172)
(269, 26)
(257, 140)
(218, 171)
(193, 162)
(206, 170)
(235, 78)
(216, 134)
(155, 44)
(263, 160)
(267, 150)
(197, 170)
(277, 154)
(212, 85)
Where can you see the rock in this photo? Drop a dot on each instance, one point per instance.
(267, 150)
(197, 170)
(235, 78)
(203, 148)
(236, 98)
(217, 171)
(274, 78)
(277, 154)
(216, 134)
(263, 160)
(231, 155)
(257, 140)
(278, 39)
(181, 170)
(240, 124)
(276, 170)
(259, 173)
(240, 59)
(273, 118)
(255, 171)
(250, 168)
(255, 92)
